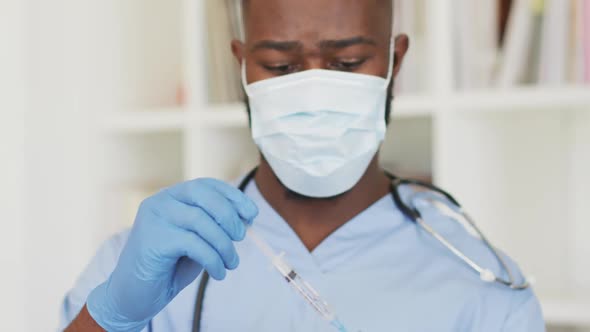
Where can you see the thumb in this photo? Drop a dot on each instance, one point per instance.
(187, 271)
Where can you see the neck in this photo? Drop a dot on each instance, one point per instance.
(314, 219)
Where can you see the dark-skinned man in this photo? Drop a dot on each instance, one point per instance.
(318, 75)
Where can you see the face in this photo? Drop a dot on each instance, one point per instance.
(288, 36)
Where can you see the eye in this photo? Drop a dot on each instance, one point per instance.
(281, 69)
(347, 65)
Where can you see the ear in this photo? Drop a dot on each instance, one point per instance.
(237, 48)
(402, 44)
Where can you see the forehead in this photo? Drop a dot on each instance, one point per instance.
(315, 20)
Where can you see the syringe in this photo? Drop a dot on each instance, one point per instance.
(301, 286)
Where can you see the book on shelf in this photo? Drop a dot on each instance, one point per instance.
(224, 78)
(503, 14)
(502, 43)
(555, 45)
(408, 19)
(225, 23)
(235, 13)
(575, 43)
(476, 34)
(584, 26)
(546, 43)
(533, 54)
(517, 42)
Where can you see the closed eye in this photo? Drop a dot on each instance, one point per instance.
(347, 65)
(282, 69)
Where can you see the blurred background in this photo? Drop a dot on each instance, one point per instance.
(104, 102)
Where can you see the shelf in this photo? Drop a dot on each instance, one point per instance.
(522, 98)
(410, 106)
(146, 121)
(566, 311)
(404, 107)
(235, 115)
(223, 115)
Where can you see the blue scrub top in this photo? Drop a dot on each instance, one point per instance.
(379, 272)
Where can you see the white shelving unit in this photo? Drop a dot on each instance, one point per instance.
(145, 121)
(234, 114)
(223, 116)
(519, 159)
(523, 98)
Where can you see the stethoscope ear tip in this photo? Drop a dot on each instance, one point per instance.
(530, 280)
(487, 275)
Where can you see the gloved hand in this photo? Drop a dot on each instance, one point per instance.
(177, 233)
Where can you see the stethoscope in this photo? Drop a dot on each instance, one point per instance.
(424, 193)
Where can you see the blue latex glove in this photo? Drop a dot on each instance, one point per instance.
(177, 233)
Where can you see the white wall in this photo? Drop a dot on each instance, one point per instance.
(67, 84)
(12, 108)
(83, 58)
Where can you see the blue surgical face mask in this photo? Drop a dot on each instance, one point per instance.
(319, 129)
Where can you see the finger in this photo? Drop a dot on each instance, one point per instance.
(214, 204)
(191, 245)
(186, 215)
(246, 207)
(194, 219)
(186, 272)
(188, 192)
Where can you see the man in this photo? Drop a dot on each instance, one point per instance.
(319, 76)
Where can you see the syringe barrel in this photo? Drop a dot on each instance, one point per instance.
(281, 265)
(260, 243)
(312, 296)
(300, 285)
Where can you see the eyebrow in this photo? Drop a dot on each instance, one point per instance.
(344, 43)
(285, 46)
(276, 45)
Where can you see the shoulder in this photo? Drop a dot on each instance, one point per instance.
(111, 248)
(96, 272)
(107, 255)
(468, 239)
(517, 309)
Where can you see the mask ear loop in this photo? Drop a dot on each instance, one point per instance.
(391, 52)
(391, 60)
(391, 49)
(243, 76)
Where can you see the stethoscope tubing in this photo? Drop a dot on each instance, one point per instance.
(413, 215)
